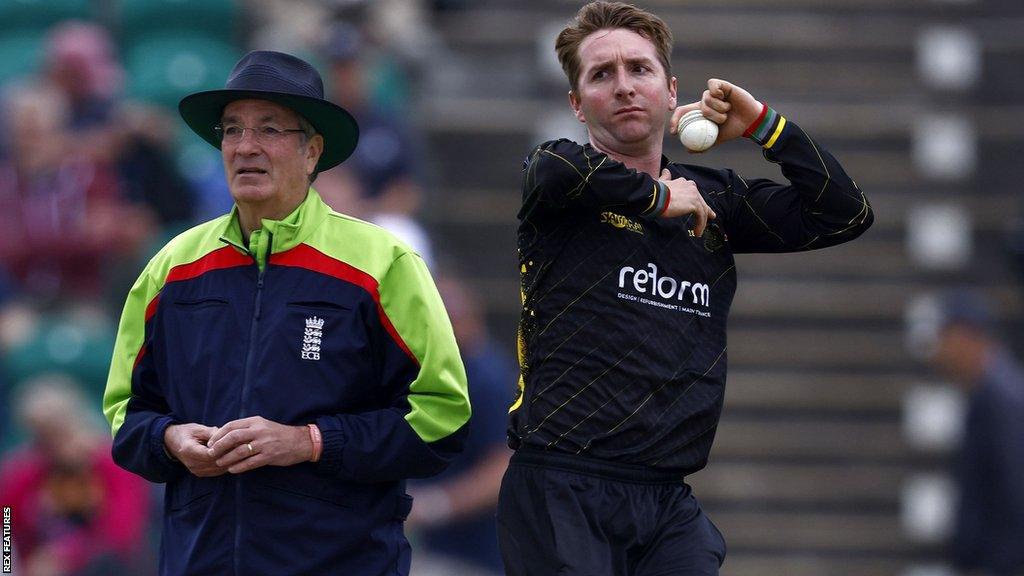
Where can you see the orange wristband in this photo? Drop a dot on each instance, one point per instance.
(318, 443)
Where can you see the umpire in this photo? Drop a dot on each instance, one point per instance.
(283, 368)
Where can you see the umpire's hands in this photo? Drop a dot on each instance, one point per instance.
(246, 444)
(187, 443)
(725, 104)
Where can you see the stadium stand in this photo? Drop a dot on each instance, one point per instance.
(21, 54)
(38, 15)
(138, 19)
(162, 69)
(23, 26)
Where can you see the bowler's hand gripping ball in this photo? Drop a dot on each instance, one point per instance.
(696, 132)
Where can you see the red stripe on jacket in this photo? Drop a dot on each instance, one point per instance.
(309, 258)
(226, 257)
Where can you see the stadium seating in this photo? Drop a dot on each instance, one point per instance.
(21, 54)
(138, 19)
(38, 15)
(76, 345)
(163, 69)
(23, 26)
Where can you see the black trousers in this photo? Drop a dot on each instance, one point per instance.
(570, 516)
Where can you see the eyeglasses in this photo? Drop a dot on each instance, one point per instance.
(233, 133)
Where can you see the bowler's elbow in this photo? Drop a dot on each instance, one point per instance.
(866, 219)
(863, 216)
(869, 215)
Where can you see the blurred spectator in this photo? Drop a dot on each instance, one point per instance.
(60, 210)
(86, 178)
(341, 190)
(989, 526)
(81, 63)
(384, 164)
(453, 513)
(74, 511)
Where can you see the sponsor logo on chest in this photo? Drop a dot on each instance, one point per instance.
(619, 221)
(665, 291)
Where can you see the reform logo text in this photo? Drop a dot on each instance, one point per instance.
(648, 281)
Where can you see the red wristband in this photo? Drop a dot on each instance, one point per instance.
(760, 118)
(318, 443)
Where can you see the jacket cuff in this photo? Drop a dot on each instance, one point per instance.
(331, 459)
(786, 132)
(156, 442)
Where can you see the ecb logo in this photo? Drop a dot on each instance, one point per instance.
(312, 338)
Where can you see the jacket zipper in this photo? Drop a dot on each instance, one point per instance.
(262, 258)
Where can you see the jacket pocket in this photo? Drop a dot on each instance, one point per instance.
(318, 305)
(189, 492)
(296, 481)
(196, 304)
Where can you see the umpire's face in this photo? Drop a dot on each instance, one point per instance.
(267, 159)
(623, 94)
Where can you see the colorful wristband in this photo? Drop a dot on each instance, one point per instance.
(668, 197)
(753, 125)
(317, 440)
(767, 128)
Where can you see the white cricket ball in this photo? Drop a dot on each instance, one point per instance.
(696, 132)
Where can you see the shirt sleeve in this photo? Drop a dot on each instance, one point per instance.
(133, 401)
(562, 175)
(820, 206)
(425, 424)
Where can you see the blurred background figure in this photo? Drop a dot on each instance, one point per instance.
(384, 167)
(988, 529)
(81, 62)
(62, 212)
(87, 180)
(74, 512)
(452, 521)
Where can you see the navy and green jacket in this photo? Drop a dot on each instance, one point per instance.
(321, 319)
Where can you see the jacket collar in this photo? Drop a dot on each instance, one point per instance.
(288, 232)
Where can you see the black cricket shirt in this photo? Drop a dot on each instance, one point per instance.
(622, 337)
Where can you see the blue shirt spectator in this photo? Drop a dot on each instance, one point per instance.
(453, 513)
(989, 528)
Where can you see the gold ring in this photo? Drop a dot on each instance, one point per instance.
(249, 445)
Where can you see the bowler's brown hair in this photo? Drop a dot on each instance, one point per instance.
(609, 16)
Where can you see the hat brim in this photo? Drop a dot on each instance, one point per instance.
(202, 111)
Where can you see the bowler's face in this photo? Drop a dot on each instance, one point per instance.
(269, 173)
(623, 94)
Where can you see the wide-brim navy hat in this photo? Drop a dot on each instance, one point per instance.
(286, 80)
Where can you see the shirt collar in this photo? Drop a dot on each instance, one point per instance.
(287, 232)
